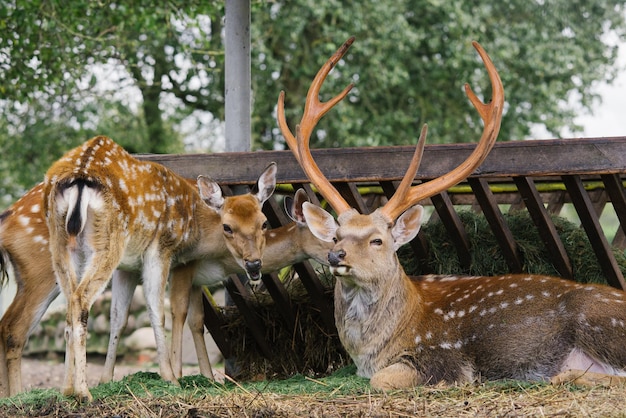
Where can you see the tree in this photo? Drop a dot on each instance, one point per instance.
(408, 64)
(411, 58)
(49, 49)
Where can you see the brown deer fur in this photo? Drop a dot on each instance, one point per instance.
(106, 209)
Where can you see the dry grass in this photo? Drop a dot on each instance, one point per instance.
(339, 395)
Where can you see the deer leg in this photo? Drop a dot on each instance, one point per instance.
(155, 273)
(587, 378)
(29, 304)
(123, 286)
(180, 290)
(196, 325)
(395, 376)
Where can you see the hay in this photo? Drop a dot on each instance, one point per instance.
(487, 258)
(314, 349)
(340, 395)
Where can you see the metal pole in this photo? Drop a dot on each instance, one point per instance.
(238, 102)
(238, 80)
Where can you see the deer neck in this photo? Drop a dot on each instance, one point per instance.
(205, 237)
(368, 316)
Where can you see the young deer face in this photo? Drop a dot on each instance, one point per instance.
(244, 232)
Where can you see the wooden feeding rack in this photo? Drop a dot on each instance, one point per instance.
(540, 175)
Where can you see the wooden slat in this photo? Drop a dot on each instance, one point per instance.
(545, 226)
(507, 159)
(281, 298)
(215, 324)
(455, 228)
(591, 223)
(617, 194)
(351, 194)
(500, 229)
(240, 297)
(316, 291)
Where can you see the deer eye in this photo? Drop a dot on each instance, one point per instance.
(227, 229)
(376, 241)
(265, 225)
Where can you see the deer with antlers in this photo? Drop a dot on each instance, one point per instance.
(451, 329)
(105, 209)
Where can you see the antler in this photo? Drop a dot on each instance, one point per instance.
(314, 110)
(405, 196)
(491, 114)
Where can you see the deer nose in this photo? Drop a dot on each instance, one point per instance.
(253, 265)
(336, 257)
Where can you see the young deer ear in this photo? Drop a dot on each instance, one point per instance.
(210, 192)
(407, 226)
(293, 206)
(321, 223)
(266, 183)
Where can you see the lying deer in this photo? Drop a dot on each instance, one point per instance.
(284, 246)
(451, 329)
(106, 209)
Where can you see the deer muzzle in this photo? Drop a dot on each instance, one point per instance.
(336, 259)
(253, 269)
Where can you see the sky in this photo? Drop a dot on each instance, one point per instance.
(609, 117)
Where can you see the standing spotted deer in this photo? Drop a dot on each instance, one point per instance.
(451, 329)
(24, 247)
(106, 209)
(284, 246)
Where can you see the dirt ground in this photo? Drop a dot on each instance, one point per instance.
(45, 373)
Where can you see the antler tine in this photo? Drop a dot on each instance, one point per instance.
(314, 110)
(491, 115)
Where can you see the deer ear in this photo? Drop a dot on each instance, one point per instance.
(321, 223)
(266, 183)
(407, 226)
(210, 192)
(293, 206)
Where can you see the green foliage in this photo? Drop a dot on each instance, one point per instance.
(63, 60)
(411, 59)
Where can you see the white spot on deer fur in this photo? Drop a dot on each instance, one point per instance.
(123, 186)
(438, 311)
(449, 315)
(546, 294)
(519, 301)
(483, 312)
(40, 239)
(528, 278)
(472, 308)
(461, 314)
(493, 310)
(513, 285)
(499, 292)
(418, 339)
(530, 297)
(616, 322)
(36, 208)
(429, 335)
(504, 305)
(23, 220)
